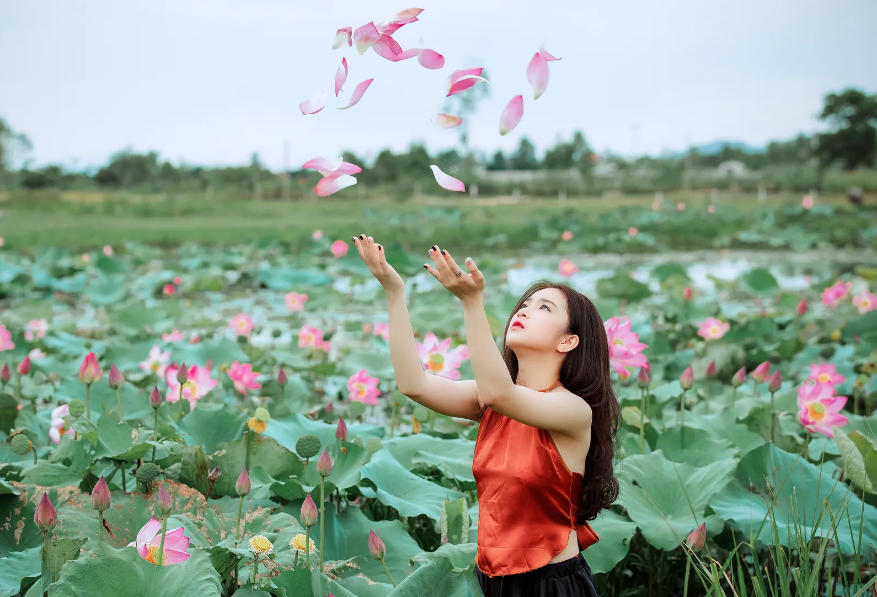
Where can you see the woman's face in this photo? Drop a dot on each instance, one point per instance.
(544, 318)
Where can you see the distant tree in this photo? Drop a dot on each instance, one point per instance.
(416, 162)
(128, 169)
(10, 142)
(465, 104)
(498, 162)
(797, 151)
(852, 114)
(524, 157)
(386, 168)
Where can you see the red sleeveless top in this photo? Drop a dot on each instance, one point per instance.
(527, 497)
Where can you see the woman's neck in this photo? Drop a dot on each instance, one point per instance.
(537, 375)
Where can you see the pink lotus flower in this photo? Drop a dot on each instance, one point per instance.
(35, 329)
(108, 250)
(317, 235)
(197, 385)
(339, 248)
(376, 547)
(865, 302)
(711, 209)
(801, 308)
(832, 295)
(438, 357)
(242, 324)
(687, 293)
(825, 373)
(632, 231)
(762, 372)
(244, 377)
(342, 36)
(168, 289)
(625, 349)
(820, 408)
(86, 258)
(174, 336)
(567, 268)
(680, 206)
(697, 538)
(326, 347)
(447, 181)
(295, 301)
(363, 388)
(57, 428)
(382, 330)
(566, 235)
(807, 202)
(89, 371)
(6, 339)
(178, 280)
(156, 361)
(713, 329)
(148, 543)
(310, 336)
(511, 115)
(36, 354)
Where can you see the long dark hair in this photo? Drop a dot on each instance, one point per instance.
(585, 372)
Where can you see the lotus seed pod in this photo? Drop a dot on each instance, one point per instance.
(21, 445)
(356, 409)
(262, 414)
(308, 446)
(173, 472)
(399, 398)
(147, 472)
(281, 410)
(76, 407)
(421, 413)
(358, 441)
(373, 444)
(700, 348)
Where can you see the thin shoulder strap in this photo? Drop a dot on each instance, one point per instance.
(554, 385)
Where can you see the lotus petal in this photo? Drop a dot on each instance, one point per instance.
(511, 115)
(447, 182)
(387, 47)
(537, 75)
(446, 121)
(431, 59)
(410, 53)
(348, 168)
(465, 72)
(545, 55)
(365, 36)
(315, 104)
(464, 83)
(357, 94)
(324, 164)
(394, 23)
(341, 36)
(333, 183)
(340, 76)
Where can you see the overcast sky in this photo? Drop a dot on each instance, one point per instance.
(212, 81)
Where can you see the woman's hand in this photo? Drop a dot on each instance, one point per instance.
(373, 255)
(466, 286)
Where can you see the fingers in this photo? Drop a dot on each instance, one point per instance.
(441, 263)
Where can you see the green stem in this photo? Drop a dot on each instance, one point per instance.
(44, 573)
(237, 533)
(154, 432)
(682, 419)
(709, 397)
(255, 568)
(18, 386)
(295, 562)
(642, 424)
(754, 388)
(34, 455)
(101, 517)
(307, 547)
(387, 570)
(249, 433)
(322, 517)
(687, 571)
(771, 416)
(88, 402)
(733, 396)
(161, 546)
(124, 489)
(119, 401)
(181, 401)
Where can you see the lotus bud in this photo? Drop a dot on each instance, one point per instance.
(697, 538)
(89, 371)
(341, 430)
(5, 374)
(687, 293)
(739, 377)
(309, 513)
(645, 377)
(45, 516)
(242, 485)
(213, 476)
(282, 380)
(116, 379)
(182, 374)
(24, 366)
(324, 464)
(711, 369)
(76, 407)
(776, 380)
(164, 501)
(686, 380)
(802, 308)
(155, 398)
(762, 372)
(100, 497)
(376, 547)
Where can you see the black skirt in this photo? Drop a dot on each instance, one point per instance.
(569, 578)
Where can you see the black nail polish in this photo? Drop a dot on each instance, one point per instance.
(353, 238)
(380, 248)
(424, 267)
(362, 237)
(443, 251)
(435, 248)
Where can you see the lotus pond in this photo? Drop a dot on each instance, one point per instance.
(282, 460)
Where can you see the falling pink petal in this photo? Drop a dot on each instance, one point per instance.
(315, 104)
(511, 115)
(410, 53)
(340, 76)
(546, 56)
(537, 75)
(446, 121)
(365, 36)
(333, 183)
(387, 47)
(447, 182)
(431, 59)
(398, 20)
(324, 164)
(458, 74)
(357, 94)
(343, 36)
(464, 83)
(348, 168)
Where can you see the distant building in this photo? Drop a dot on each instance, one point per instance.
(731, 169)
(572, 176)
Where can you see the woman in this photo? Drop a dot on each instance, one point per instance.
(547, 414)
